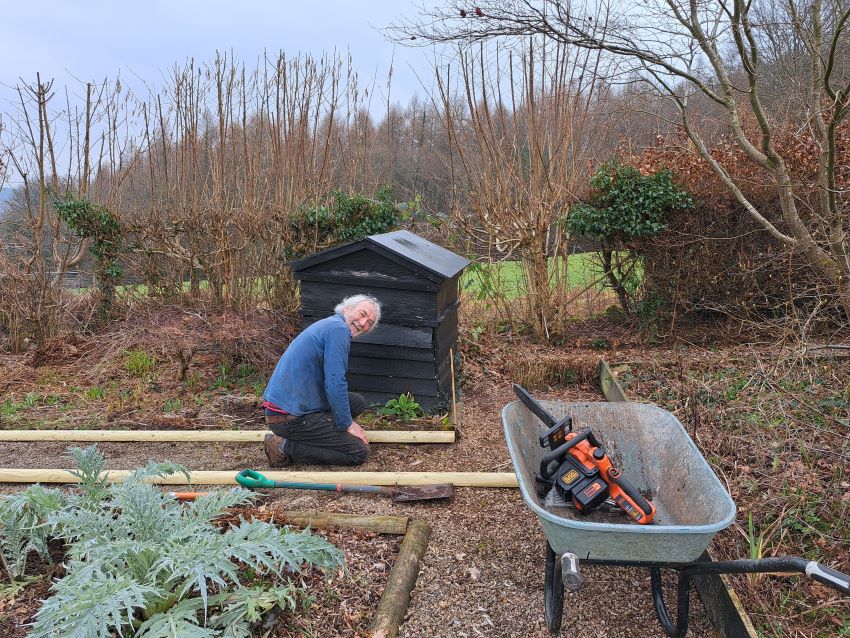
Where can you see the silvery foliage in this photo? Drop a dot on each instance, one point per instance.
(24, 527)
(142, 564)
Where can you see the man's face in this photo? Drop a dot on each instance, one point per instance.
(360, 318)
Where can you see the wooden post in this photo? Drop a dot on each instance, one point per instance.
(396, 597)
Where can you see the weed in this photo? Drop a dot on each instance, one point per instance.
(95, 393)
(756, 545)
(139, 363)
(223, 378)
(600, 344)
(194, 380)
(172, 405)
(405, 407)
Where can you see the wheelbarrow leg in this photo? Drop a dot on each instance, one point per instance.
(554, 592)
(680, 628)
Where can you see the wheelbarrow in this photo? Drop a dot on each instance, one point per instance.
(654, 452)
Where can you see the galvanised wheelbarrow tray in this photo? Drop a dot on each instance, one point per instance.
(654, 452)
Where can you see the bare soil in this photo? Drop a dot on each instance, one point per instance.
(483, 571)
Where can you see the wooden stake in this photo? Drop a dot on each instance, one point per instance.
(375, 523)
(396, 597)
(454, 394)
(208, 436)
(205, 477)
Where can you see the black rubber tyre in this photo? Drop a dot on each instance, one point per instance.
(554, 591)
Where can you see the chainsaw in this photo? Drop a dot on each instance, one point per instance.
(579, 469)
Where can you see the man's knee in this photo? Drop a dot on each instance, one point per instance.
(360, 454)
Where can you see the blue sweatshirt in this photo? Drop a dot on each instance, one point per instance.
(310, 376)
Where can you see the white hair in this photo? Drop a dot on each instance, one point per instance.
(353, 300)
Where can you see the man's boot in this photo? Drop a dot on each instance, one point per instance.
(273, 445)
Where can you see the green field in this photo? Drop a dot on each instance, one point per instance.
(506, 278)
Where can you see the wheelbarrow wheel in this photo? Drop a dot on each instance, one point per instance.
(554, 591)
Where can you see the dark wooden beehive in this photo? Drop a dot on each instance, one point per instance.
(416, 282)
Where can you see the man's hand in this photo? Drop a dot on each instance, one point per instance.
(355, 430)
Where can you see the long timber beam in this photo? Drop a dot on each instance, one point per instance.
(207, 477)
(208, 436)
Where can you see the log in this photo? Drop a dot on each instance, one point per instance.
(396, 597)
(205, 477)
(207, 436)
(315, 519)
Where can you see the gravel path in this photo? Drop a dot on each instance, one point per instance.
(483, 571)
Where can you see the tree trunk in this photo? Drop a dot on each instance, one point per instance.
(616, 284)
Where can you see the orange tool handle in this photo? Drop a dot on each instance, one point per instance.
(629, 498)
(187, 496)
(625, 495)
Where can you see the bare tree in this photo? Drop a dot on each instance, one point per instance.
(54, 151)
(521, 144)
(716, 49)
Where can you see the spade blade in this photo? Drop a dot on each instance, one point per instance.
(422, 492)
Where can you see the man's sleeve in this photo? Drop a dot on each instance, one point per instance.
(337, 346)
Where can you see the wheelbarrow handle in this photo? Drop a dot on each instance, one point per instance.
(828, 576)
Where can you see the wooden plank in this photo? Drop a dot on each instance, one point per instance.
(208, 477)
(368, 279)
(721, 603)
(393, 385)
(390, 334)
(365, 261)
(611, 388)
(205, 436)
(428, 403)
(380, 351)
(387, 367)
(406, 307)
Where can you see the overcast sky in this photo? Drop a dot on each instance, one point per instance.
(96, 39)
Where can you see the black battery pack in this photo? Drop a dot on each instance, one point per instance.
(581, 485)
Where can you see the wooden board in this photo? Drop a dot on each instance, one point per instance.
(380, 351)
(406, 307)
(201, 436)
(392, 385)
(458, 479)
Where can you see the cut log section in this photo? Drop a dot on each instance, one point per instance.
(208, 436)
(206, 477)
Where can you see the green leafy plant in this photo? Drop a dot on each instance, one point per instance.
(625, 205)
(172, 405)
(96, 393)
(139, 363)
(405, 407)
(24, 527)
(141, 563)
(102, 227)
(346, 218)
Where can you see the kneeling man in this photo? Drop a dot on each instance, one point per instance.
(308, 407)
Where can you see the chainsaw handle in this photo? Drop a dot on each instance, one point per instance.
(253, 480)
(630, 490)
(559, 452)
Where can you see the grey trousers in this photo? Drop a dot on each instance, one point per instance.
(315, 439)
